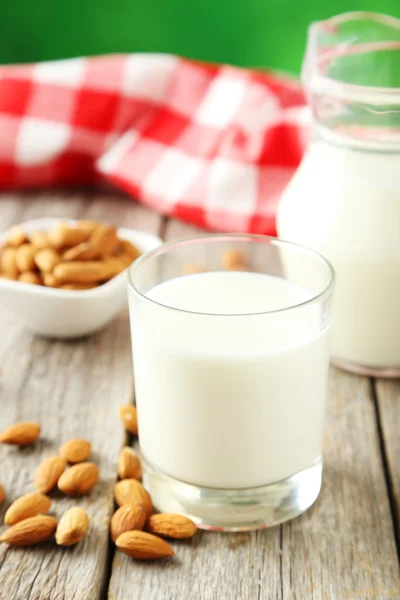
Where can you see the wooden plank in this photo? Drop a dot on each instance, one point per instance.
(344, 547)
(73, 389)
(388, 399)
(212, 565)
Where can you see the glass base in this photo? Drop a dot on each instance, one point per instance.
(380, 372)
(238, 509)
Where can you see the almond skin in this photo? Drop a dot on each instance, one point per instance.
(82, 251)
(39, 239)
(63, 235)
(131, 491)
(29, 277)
(128, 416)
(72, 527)
(79, 479)
(84, 271)
(105, 239)
(30, 531)
(2, 494)
(46, 259)
(21, 434)
(129, 464)
(16, 236)
(171, 525)
(25, 257)
(76, 451)
(27, 506)
(49, 472)
(88, 225)
(127, 518)
(8, 263)
(143, 546)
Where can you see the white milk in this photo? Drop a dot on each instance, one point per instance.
(346, 204)
(229, 401)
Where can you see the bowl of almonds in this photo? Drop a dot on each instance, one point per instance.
(66, 279)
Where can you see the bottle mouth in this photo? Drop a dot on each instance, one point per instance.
(351, 77)
(352, 53)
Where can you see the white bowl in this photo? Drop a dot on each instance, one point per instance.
(51, 312)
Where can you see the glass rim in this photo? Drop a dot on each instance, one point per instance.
(249, 237)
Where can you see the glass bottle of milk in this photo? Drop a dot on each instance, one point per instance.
(344, 201)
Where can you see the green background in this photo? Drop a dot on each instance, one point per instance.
(246, 32)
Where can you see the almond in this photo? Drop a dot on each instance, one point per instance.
(128, 416)
(143, 546)
(16, 236)
(126, 259)
(129, 464)
(30, 277)
(128, 248)
(46, 259)
(78, 286)
(8, 264)
(72, 527)
(24, 257)
(9, 277)
(84, 271)
(63, 235)
(76, 451)
(127, 518)
(131, 491)
(79, 479)
(105, 239)
(2, 494)
(50, 280)
(49, 472)
(88, 225)
(27, 506)
(30, 531)
(39, 239)
(82, 251)
(171, 525)
(21, 434)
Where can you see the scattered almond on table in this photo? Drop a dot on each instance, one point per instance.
(134, 528)
(129, 464)
(79, 479)
(26, 506)
(76, 450)
(23, 433)
(131, 491)
(48, 473)
(128, 416)
(170, 525)
(143, 546)
(30, 531)
(128, 517)
(72, 527)
(71, 257)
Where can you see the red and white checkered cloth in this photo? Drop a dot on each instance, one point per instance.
(210, 144)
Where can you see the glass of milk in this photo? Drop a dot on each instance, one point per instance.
(231, 368)
(344, 200)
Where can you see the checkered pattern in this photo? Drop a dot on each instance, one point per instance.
(213, 145)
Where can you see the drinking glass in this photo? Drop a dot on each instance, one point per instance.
(230, 341)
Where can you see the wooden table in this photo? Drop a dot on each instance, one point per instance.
(345, 547)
